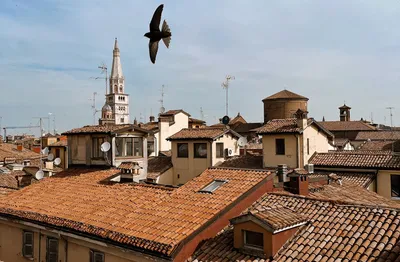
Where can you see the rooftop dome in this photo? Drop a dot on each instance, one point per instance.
(106, 107)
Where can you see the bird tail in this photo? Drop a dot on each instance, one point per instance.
(165, 28)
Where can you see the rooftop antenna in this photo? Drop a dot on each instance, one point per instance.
(391, 115)
(225, 85)
(41, 140)
(201, 113)
(384, 120)
(162, 108)
(48, 122)
(54, 124)
(372, 118)
(94, 107)
(103, 68)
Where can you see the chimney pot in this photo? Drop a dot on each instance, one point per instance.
(282, 172)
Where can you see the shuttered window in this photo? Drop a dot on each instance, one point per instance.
(52, 250)
(27, 248)
(96, 256)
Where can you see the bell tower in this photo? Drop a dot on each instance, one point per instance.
(116, 98)
(344, 112)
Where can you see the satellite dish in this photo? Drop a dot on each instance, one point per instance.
(39, 175)
(45, 151)
(105, 147)
(50, 157)
(57, 161)
(162, 109)
(225, 120)
(242, 141)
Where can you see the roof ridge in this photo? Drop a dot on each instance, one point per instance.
(242, 169)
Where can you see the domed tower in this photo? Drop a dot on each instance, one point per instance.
(283, 104)
(106, 115)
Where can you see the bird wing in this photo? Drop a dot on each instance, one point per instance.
(155, 21)
(153, 48)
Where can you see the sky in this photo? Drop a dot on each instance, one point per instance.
(328, 51)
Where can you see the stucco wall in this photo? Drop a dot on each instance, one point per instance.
(229, 142)
(187, 168)
(318, 142)
(181, 121)
(383, 182)
(69, 249)
(63, 155)
(281, 109)
(77, 152)
(166, 178)
(270, 159)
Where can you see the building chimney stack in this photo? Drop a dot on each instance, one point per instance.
(19, 147)
(301, 117)
(298, 183)
(282, 172)
(152, 118)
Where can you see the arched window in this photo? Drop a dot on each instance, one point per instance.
(115, 89)
(120, 89)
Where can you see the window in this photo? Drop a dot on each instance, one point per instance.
(308, 146)
(220, 150)
(183, 150)
(200, 150)
(280, 146)
(57, 152)
(96, 256)
(115, 89)
(52, 250)
(253, 239)
(27, 248)
(138, 146)
(150, 147)
(214, 185)
(122, 120)
(96, 142)
(120, 89)
(395, 185)
(124, 146)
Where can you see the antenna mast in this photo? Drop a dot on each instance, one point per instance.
(225, 85)
(103, 68)
(201, 113)
(162, 108)
(391, 115)
(94, 107)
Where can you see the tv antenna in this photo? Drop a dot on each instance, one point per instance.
(225, 85)
(201, 113)
(391, 115)
(94, 107)
(162, 108)
(103, 68)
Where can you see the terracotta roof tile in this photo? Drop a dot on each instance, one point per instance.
(356, 160)
(288, 125)
(247, 127)
(194, 120)
(376, 146)
(378, 135)
(334, 233)
(157, 166)
(151, 126)
(174, 112)
(9, 181)
(252, 162)
(362, 179)
(200, 133)
(104, 129)
(346, 126)
(147, 217)
(59, 143)
(10, 151)
(285, 94)
(279, 218)
(341, 141)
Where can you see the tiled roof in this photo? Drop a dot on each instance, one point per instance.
(344, 107)
(277, 218)
(174, 112)
(285, 94)
(8, 181)
(247, 127)
(165, 153)
(356, 160)
(251, 162)
(237, 120)
(346, 126)
(378, 135)
(201, 133)
(5, 191)
(341, 142)
(362, 179)
(10, 150)
(127, 165)
(59, 143)
(194, 120)
(151, 126)
(103, 129)
(336, 232)
(288, 125)
(157, 166)
(149, 218)
(376, 146)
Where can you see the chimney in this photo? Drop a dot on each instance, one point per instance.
(135, 121)
(282, 173)
(19, 147)
(152, 118)
(298, 183)
(301, 117)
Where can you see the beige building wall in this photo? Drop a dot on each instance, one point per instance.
(281, 109)
(229, 142)
(63, 155)
(271, 159)
(70, 248)
(77, 152)
(318, 142)
(166, 178)
(383, 182)
(181, 121)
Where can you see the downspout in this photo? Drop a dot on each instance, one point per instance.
(211, 155)
(297, 150)
(40, 241)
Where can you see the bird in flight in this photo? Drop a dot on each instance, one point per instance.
(155, 35)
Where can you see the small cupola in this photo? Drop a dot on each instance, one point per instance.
(263, 232)
(129, 172)
(344, 112)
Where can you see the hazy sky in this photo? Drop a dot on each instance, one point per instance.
(329, 51)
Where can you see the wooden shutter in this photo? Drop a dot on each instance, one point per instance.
(52, 250)
(27, 249)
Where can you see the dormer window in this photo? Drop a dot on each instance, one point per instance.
(214, 185)
(253, 239)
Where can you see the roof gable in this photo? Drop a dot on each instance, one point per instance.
(207, 133)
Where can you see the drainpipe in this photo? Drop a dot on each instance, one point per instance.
(297, 149)
(211, 155)
(40, 241)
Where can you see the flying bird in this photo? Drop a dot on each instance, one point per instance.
(155, 35)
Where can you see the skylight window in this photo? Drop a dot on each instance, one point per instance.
(214, 185)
